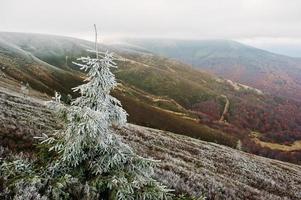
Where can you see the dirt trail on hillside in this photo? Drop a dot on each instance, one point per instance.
(226, 108)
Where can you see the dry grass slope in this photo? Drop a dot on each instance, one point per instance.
(188, 165)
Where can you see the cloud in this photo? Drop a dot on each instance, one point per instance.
(195, 19)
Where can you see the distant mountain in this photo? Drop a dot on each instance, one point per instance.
(277, 74)
(28, 59)
(161, 93)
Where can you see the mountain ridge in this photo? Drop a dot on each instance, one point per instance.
(271, 72)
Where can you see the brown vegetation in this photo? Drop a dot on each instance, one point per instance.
(188, 165)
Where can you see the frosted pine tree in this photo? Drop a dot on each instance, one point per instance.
(89, 141)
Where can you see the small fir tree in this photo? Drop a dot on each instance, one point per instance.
(239, 145)
(24, 89)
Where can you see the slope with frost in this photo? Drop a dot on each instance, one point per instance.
(188, 165)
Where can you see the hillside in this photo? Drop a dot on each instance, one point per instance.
(140, 104)
(273, 73)
(160, 93)
(188, 165)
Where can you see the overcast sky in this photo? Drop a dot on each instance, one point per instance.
(263, 23)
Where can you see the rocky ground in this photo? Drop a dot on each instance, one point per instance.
(187, 165)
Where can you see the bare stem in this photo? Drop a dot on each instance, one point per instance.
(96, 49)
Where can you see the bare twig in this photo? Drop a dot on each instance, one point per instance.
(96, 49)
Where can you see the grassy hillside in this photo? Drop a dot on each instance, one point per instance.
(43, 76)
(162, 93)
